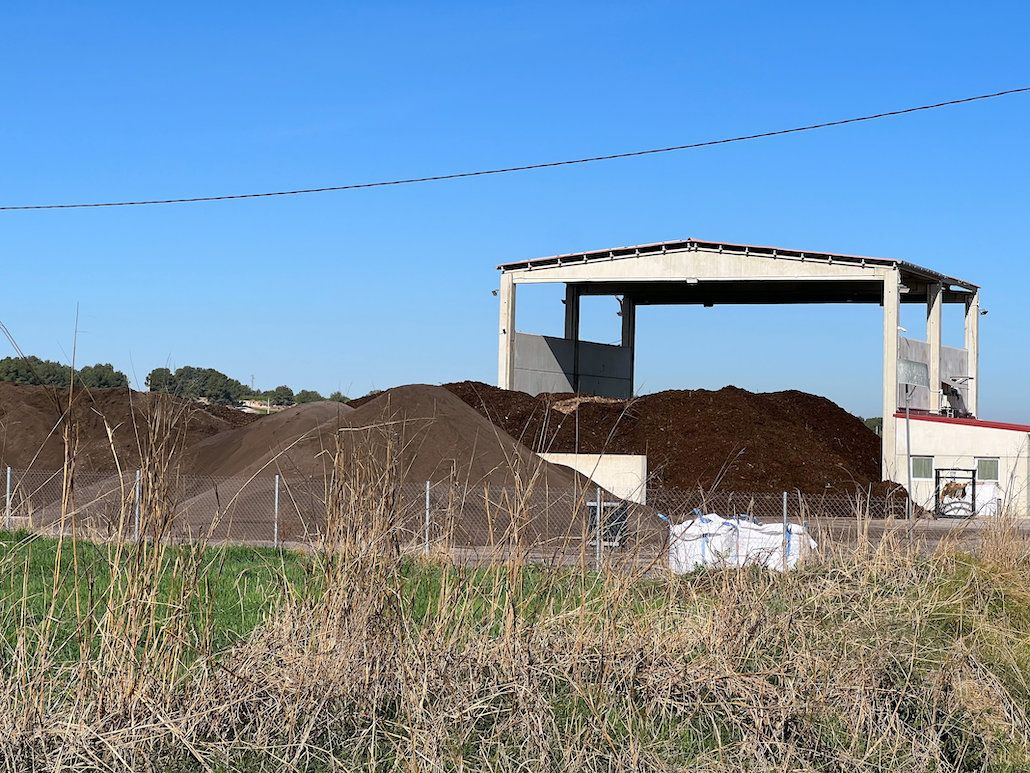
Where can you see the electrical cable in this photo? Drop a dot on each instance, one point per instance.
(524, 167)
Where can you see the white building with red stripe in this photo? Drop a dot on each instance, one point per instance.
(946, 449)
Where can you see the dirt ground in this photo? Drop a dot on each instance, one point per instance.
(729, 439)
(467, 436)
(107, 427)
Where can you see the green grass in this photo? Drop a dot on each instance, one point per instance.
(240, 585)
(874, 658)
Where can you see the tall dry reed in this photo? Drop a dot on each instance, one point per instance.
(880, 657)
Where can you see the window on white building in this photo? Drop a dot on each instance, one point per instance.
(987, 468)
(922, 467)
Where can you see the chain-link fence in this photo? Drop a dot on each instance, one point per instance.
(467, 522)
(678, 504)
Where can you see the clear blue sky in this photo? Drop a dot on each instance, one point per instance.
(370, 289)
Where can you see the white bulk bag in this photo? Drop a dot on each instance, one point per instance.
(711, 540)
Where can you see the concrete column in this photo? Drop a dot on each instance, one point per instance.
(934, 299)
(506, 338)
(572, 312)
(888, 438)
(973, 353)
(629, 335)
(572, 297)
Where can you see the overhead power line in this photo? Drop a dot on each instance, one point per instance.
(524, 167)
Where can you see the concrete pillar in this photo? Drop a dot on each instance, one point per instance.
(629, 335)
(572, 312)
(572, 298)
(973, 353)
(506, 337)
(934, 299)
(888, 437)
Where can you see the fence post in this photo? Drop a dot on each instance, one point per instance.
(136, 503)
(7, 507)
(425, 531)
(598, 530)
(786, 543)
(275, 522)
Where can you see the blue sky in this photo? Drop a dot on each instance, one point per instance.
(375, 288)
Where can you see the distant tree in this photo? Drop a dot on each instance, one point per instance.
(102, 376)
(219, 388)
(282, 395)
(339, 397)
(160, 380)
(188, 382)
(33, 370)
(308, 396)
(192, 383)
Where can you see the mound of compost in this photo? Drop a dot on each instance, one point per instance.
(418, 432)
(264, 443)
(728, 439)
(407, 435)
(100, 425)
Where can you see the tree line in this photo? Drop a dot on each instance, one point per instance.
(194, 383)
(188, 381)
(33, 370)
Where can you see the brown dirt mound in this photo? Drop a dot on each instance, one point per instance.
(231, 416)
(412, 434)
(445, 439)
(32, 420)
(266, 441)
(427, 432)
(730, 438)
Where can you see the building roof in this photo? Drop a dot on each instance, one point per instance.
(753, 250)
(966, 422)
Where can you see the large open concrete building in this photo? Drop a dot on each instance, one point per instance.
(933, 380)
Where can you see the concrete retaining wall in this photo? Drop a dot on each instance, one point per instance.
(546, 364)
(624, 475)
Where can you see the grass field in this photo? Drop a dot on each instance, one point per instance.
(240, 585)
(180, 658)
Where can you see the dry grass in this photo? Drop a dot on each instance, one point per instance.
(878, 658)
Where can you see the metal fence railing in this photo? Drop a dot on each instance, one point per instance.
(466, 521)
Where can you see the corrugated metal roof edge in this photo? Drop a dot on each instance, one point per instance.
(761, 250)
(966, 422)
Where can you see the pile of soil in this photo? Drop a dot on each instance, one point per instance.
(33, 420)
(470, 432)
(445, 439)
(265, 444)
(407, 435)
(728, 439)
(231, 416)
(421, 432)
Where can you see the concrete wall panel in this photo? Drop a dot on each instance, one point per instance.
(545, 364)
(624, 475)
